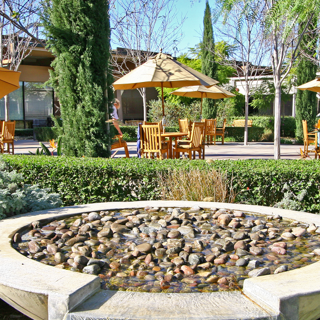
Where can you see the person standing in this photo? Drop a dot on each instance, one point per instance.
(115, 116)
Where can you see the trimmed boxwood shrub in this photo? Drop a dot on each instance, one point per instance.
(129, 132)
(87, 180)
(45, 133)
(260, 125)
(237, 133)
(23, 132)
(288, 124)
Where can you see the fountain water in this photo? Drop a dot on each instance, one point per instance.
(44, 292)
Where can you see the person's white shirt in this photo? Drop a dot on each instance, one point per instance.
(114, 114)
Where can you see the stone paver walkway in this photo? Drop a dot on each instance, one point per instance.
(230, 150)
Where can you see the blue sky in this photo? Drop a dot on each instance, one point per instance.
(193, 26)
(192, 29)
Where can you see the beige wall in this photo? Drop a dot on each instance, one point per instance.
(34, 73)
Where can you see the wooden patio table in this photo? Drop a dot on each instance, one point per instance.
(172, 135)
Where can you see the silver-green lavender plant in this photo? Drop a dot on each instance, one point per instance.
(290, 200)
(17, 197)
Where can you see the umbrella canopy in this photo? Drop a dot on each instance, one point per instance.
(162, 71)
(313, 85)
(9, 81)
(214, 92)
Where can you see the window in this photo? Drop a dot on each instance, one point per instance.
(15, 105)
(38, 100)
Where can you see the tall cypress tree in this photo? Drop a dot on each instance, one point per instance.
(306, 101)
(209, 66)
(78, 35)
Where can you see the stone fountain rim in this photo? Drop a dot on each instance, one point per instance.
(274, 294)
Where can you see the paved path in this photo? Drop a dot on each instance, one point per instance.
(230, 150)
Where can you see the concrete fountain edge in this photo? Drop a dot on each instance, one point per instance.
(44, 292)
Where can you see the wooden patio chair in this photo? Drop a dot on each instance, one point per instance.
(151, 142)
(220, 131)
(120, 143)
(316, 146)
(7, 136)
(195, 143)
(210, 130)
(140, 151)
(150, 123)
(308, 138)
(184, 126)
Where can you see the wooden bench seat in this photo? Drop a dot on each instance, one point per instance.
(120, 143)
(241, 123)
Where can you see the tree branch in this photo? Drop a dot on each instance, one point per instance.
(17, 25)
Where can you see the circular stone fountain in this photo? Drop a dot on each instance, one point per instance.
(44, 292)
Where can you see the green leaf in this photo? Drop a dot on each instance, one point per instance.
(59, 146)
(45, 149)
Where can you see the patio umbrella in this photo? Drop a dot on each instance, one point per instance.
(165, 72)
(313, 85)
(9, 81)
(213, 92)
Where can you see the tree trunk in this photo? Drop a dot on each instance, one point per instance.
(277, 120)
(246, 112)
(144, 99)
(6, 108)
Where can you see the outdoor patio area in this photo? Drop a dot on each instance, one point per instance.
(230, 150)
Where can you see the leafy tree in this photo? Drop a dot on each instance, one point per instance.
(223, 51)
(192, 63)
(142, 28)
(193, 60)
(264, 95)
(306, 101)
(281, 18)
(78, 35)
(231, 107)
(19, 24)
(244, 27)
(174, 111)
(209, 66)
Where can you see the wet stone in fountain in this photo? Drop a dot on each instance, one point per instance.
(172, 250)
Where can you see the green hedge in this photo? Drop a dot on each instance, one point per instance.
(233, 133)
(288, 124)
(260, 125)
(129, 132)
(23, 132)
(86, 180)
(45, 133)
(237, 133)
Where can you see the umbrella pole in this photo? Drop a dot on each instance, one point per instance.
(201, 107)
(162, 99)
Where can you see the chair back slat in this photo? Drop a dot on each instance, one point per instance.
(151, 140)
(210, 126)
(305, 129)
(156, 123)
(197, 133)
(8, 129)
(184, 125)
(7, 136)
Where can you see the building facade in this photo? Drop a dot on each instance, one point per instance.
(34, 102)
